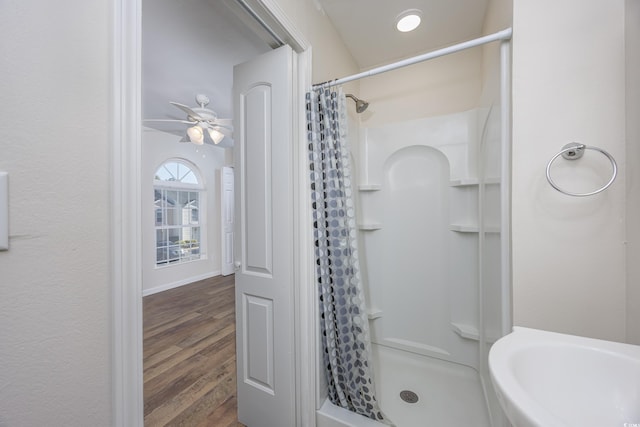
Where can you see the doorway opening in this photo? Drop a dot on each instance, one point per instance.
(188, 308)
(126, 196)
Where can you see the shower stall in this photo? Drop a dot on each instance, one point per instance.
(432, 202)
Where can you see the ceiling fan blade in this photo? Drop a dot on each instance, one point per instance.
(224, 124)
(170, 121)
(187, 110)
(222, 128)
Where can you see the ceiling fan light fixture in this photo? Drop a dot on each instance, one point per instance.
(216, 135)
(196, 135)
(408, 20)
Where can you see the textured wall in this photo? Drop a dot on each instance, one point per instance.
(54, 282)
(568, 85)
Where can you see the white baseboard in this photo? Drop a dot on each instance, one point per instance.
(182, 282)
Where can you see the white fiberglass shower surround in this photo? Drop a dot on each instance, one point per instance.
(432, 198)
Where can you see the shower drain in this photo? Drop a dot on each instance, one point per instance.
(408, 396)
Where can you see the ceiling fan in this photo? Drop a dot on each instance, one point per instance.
(205, 124)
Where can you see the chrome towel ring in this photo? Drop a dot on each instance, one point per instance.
(574, 151)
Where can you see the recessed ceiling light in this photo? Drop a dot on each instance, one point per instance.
(408, 20)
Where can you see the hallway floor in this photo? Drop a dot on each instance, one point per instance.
(189, 355)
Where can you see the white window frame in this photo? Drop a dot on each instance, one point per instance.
(178, 186)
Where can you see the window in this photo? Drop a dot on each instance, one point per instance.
(178, 210)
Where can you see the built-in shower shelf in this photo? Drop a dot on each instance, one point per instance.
(461, 228)
(469, 332)
(468, 182)
(370, 187)
(370, 226)
(374, 313)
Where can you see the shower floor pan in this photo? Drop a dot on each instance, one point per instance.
(448, 394)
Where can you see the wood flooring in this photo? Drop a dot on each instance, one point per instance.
(189, 355)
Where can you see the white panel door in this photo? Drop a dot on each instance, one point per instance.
(228, 223)
(264, 238)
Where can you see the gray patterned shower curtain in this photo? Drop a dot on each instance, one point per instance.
(343, 319)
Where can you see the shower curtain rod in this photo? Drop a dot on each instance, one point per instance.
(500, 35)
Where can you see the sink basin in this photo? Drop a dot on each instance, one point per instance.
(547, 379)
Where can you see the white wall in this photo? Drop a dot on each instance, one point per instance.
(632, 51)
(157, 147)
(568, 85)
(55, 297)
(446, 85)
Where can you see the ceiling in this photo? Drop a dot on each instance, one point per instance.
(191, 46)
(367, 27)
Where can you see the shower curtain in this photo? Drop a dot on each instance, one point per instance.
(343, 319)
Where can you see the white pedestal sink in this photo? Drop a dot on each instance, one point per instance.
(546, 379)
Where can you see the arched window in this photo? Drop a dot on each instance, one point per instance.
(178, 209)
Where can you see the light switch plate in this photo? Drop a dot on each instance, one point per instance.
(4, 211)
